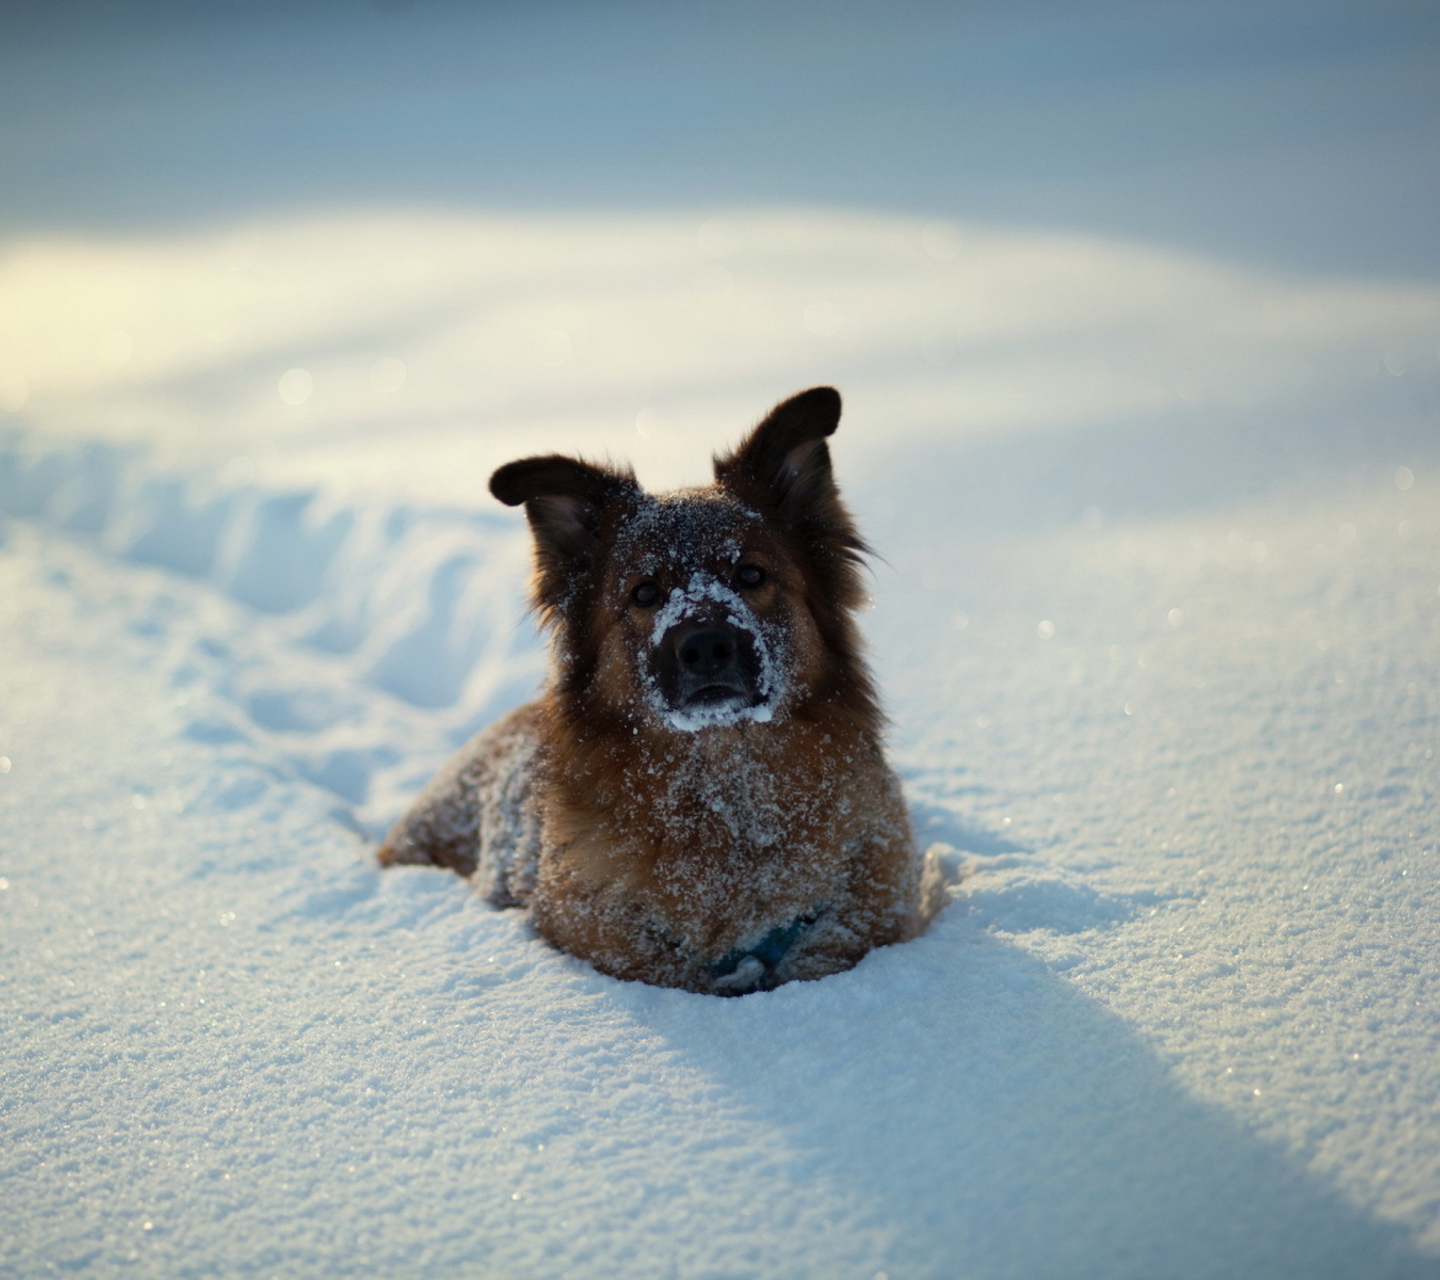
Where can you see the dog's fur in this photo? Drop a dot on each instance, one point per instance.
(699, 798)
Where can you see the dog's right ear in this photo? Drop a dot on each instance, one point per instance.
(564, 500)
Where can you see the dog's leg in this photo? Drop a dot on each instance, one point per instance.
(442, 827)
(475, 816)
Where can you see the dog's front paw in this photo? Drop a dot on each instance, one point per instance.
(744, 978)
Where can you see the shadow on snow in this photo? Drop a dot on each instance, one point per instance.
(998, 1123)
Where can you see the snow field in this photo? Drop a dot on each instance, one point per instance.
(1165, 680)
(1061, 1079)
(1228, 741)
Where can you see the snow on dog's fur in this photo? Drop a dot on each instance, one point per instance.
(699, 799)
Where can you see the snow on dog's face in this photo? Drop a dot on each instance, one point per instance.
(705, 608)
(701, 617)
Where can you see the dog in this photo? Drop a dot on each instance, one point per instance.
(699, 799)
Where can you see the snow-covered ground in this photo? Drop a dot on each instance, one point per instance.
(1161, 667)
(1156, 616)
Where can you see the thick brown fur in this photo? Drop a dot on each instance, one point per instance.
(657, 837)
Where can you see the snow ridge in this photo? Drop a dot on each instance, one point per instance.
(423, 607)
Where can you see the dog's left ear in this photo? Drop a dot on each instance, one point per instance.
(783, 468)
(785, 463)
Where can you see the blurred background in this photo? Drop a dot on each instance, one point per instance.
(387, 245)
(1295, 134)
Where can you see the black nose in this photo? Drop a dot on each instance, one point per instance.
(705, 661)
(707, 653)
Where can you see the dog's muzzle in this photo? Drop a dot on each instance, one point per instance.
(707, 663)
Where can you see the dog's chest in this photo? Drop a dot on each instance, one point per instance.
(697, 819)
(737, 804)
(742, 803)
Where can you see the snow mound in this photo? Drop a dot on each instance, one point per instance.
(424, 608)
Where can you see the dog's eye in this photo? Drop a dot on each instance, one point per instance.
(644, 595)
(749, 575)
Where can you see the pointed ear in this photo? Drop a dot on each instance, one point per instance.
(785, 463)
(564, 501)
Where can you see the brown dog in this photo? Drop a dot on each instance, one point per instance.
(699, 799)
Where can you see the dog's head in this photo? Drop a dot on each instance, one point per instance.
(705, 607)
